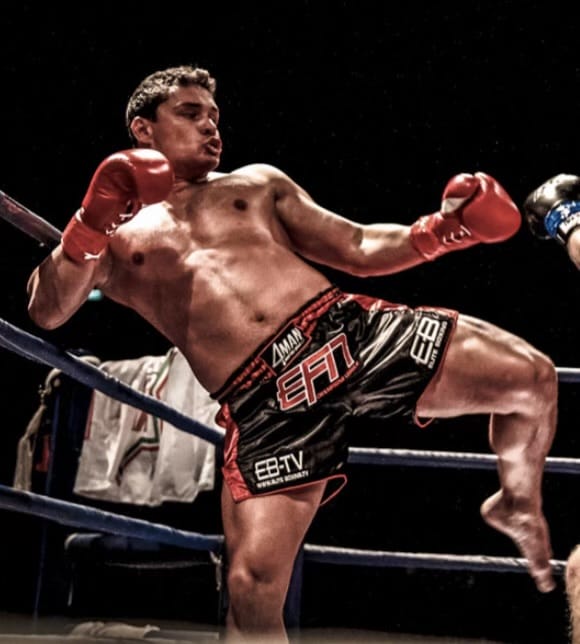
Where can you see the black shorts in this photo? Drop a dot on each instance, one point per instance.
(341, 355)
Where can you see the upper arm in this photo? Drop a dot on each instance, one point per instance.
(325, 237)
(316, 233)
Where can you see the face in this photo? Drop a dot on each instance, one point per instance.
(185, 131)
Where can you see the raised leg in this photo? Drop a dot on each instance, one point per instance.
(488, 370)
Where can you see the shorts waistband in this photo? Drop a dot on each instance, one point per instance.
(292, 336)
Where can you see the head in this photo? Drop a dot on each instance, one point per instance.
(174, 111)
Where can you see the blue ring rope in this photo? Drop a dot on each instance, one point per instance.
(77, 515)
(458, 460)
(38, 350)
(81, 516)
(430, 561)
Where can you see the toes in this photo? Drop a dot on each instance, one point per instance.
(545, 581)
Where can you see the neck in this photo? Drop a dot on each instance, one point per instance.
(182, 183)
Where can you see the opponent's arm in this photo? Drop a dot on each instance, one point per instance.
(552, 211)
(573, 247)
(474, 209)
(121, 185)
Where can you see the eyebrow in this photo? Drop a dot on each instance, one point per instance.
(196, 105)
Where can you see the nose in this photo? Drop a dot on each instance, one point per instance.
(208, 126)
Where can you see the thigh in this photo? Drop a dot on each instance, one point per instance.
(264, 533)
(486, 369)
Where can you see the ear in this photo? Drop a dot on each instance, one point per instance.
(142, 130)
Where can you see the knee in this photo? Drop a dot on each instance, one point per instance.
(244, 581)
(248, 585)
(545, 376)
(539, 377)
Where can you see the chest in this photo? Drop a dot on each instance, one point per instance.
(228, 219)
(228, 211)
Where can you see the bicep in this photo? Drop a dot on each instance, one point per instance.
(316, 232)
(327, 238)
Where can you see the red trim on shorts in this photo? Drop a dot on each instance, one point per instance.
(292, 488)
(232, 475)
(302, 486)
(335, 477)
(368, 303)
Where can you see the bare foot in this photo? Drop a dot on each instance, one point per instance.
(529, 531)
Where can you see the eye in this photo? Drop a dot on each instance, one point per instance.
(192, 115)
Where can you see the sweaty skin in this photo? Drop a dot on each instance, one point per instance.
(215, 270)
(229, 273)
(219, 266)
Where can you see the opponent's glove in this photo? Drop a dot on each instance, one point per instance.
(122, 184)
(552, 211)
(474, 209)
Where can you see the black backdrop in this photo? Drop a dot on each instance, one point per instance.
(372, 107)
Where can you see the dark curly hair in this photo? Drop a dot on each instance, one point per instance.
(155, 88)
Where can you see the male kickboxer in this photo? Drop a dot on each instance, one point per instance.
(219, 262)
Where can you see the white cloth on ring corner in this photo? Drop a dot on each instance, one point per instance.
(131, 457)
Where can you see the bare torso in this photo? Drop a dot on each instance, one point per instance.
(213, 270)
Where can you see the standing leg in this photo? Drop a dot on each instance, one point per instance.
(488, 370)
(263, 535)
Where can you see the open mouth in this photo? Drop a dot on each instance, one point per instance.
(213, 148)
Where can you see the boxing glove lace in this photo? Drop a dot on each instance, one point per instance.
(475, 208)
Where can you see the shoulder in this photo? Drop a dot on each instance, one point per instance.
(262, 171)
(263, 175)
(269, 176)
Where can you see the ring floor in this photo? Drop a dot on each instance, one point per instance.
(21, 629)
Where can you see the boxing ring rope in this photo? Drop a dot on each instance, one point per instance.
(427, 561)
(568, 374)
(456, 460)
(81, 516)
(38, 350)
(73, 514)
(85, 517)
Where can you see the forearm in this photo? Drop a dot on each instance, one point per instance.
(58, 287)
(121, 185)
(474, 209)
(386, 249)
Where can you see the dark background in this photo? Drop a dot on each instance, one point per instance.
(371, 107)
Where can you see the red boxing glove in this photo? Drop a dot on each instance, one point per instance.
(474, 209)
(121, 185)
